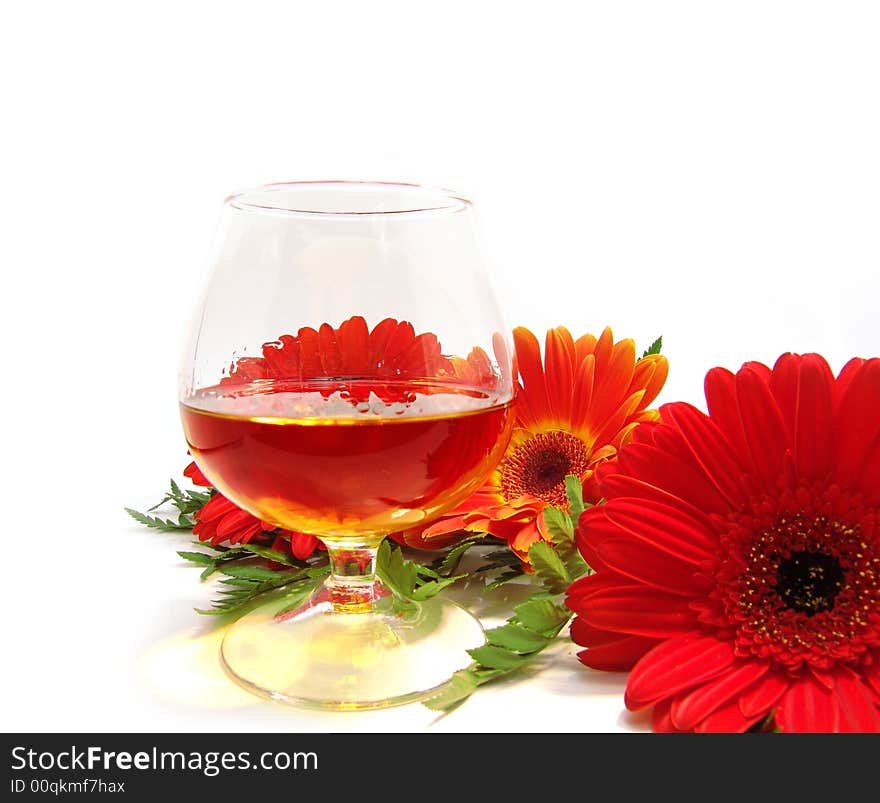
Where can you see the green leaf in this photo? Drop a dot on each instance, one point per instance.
(269, 554)
(452, 558)
(549, 567)
(241, 592)
(494, 657)
(233, 555)
(187, 503)
(193, 502)
(503, 555)
(161, 502)
(461, 686)
(517, 638)
(575, 565)
(208, 572)
(558, 524)
(200, 496)
(406, 579)
(483, 675)
(197, 557)
(501, 559)
(535, 625)
(423, 571)
(216, 547)
(542, 616)
(504, 577)
(297, 597)
(561, 527)
(155, 523)
(654, 348)
(433, 587)
(574, 492)
(398, 575)
(250, 573)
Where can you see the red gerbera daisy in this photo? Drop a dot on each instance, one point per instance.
(220, 520)
(738, 556)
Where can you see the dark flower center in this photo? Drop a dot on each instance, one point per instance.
(549, 470)
(538, 466)
(809, 582)
(800, 587)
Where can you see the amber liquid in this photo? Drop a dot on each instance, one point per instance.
(345, 465)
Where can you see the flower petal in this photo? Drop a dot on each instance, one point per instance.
(302, 545)
(610, 652)
(676, 665)
(807, 707)
(417, 540)
(379, 337)
(611, 382)
(857, 423)
(802, 387)
(696, 705)
(868, 481)
(194, 473)
(584, 345)
(845, 377)
(444, 526)
(236, 520)
(710, 450)
(857, 708)
(559, 371)
(242, 535)
(872, 677)
(648, 565)
(531, 371)
(422, 358)
(310, 352)
(726, 719)
(639, 611)
(331, 355)
(763, 427)
(282, 357)
(650, 373)
(614, 485)
(658, 467)
(665, 527)
(582, 396)
(354, 346)
(608, 429)
(216, 507)
(720, 389)
(757, 701)
(602, 350)
(400, 339)
(524, 537)
(661, 719)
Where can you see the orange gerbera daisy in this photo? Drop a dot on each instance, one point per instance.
(574, 411)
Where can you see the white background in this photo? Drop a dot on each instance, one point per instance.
(705, 170)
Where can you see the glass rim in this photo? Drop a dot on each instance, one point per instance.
(437, 199)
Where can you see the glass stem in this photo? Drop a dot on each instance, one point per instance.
(352, 584)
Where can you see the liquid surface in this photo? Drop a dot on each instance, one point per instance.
(352, 463)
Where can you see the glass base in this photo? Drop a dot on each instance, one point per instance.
(389, 655)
